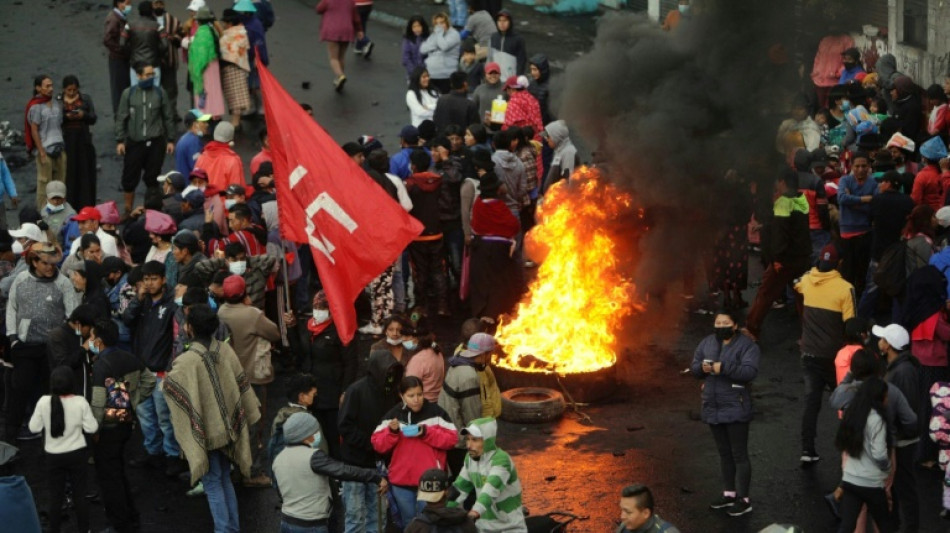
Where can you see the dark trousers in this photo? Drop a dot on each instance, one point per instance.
(855, 257)
(143, 161)
(364, 12)
(59, 466)
(30, 380)
(170, 86)
(819, 374)
(455, 458)
(876, 500)
(110, 474)
(906, 502)
(732, 441)
(118, 80)
(428, 272)
(331, 433)
(773, 286)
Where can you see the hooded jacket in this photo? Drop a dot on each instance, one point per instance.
(37, 305)
(901, 419)
(904, 373)
(726, 396)
(364, 404)
(511, 172)
(494, 481)
(223, 165)
(790, 242)
(829, 302)
(813, 188)
(424, 191)
(565, 154)
(509, 42)
(411, 456)
(539, 88)
(437, 515)
(152, 323)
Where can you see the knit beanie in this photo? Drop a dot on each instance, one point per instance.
(299, 426)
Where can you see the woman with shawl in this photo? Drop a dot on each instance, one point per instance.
(203, 68)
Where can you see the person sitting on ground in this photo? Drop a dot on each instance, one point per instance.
(636, 512)
(436, 516)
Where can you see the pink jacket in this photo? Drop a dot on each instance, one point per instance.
(828, 64)
(430, 368)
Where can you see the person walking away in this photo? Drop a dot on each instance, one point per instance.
(727, 362)
(427, 251)
(857, 330)
(118, 54)
(442, 52)
(44, 133)
(363, 45)
(212, 405)
(637, 513)
(117, 377)
(235, 67)
(79, 116)
(862, 436)
(204, 67)
(144, 129)
(416, 434)
(564, 159)
(257, 18)
(302, 470)
(855, 192)
(339, 26)
(496, 277)
(455, 107)
(434, 485)
(490, 474)
(220, 161)
(63, 417)
(788, 250)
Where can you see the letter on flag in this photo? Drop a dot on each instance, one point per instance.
(354, 228)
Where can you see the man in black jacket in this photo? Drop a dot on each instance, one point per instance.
(364, 404)
(151, 316)
(455, 107)
(64, 347)
(145, 42)
(509, 42)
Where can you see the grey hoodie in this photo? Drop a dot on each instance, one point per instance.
(511, 172)
(565, 154)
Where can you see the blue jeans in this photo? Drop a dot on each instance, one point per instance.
(156, 424)
(220, 493)
(458, 13)
(360, 501)
(868, 298)
(406, 501)
(289, 528)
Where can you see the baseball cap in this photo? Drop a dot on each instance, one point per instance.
(478, 344)
(409, 132)
(198, 173)
(473, 430)
(184, 239)
(235, 188)
(56, 189)
(828, 258)
(29, 231)
(432, 485)
(196, 115)
(233, 286)
(195, 198)
(492, 67)
(175, 178)
(87, 213)
(943, 216)
(894, 334)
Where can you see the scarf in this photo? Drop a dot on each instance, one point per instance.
(201, 53)
(235, 46)
(27, 136)
(315, 328)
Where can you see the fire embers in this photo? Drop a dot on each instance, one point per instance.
(568, 320)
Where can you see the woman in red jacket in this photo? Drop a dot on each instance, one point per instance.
(417, 433)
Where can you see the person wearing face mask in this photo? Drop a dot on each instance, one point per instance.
(57, 210)
(302, 470)
(254, 269)
(851, 65)
(190, 144)
(393, 327)
(65, 347)
(727, 361)
(207, 393)
(426, 362)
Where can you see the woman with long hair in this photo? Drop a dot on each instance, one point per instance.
(417, 31)
(79, 114)
(421, 96)
(64, 417)
(727, 361)
(862, 436)
(442, 51)
(340, 24)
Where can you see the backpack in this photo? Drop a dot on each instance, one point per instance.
(433, 528)
(891, 273)
(118, 409)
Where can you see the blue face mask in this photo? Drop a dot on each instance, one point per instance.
(846, 105)
(317, 439)
(147, 84)
(127, 10)
(410, 345)
(179, 302)
(93, 348)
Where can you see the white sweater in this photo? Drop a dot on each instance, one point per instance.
(874, 465)
(79, 419)
(420, 111)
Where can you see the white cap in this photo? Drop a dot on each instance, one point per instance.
(474, 431)
(943, 216)
(29, 231)
(195, 5)
(894, 334)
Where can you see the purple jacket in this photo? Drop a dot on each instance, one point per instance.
(726, 396)
(411, 56)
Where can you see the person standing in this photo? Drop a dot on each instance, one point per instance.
(169, 25)
(189, 145)
(204, 68)
(727, 362)
(427, 250)
(146, 43)
(44, 133)
(455, 107)
(828, 304)
(118, 54)
(235, 65)
(637, 514)
(507, 48)
(339, 26)
(461, 395)
(81, 173)
(144, 129)
(115, 367)
(212, 405)
(220, 161)
(855, 193)
(441, 49)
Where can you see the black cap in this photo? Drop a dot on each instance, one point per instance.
(235, 188)
(185, 238)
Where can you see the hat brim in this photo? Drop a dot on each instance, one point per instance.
(468, 354)
(430, 497)
(472, 431)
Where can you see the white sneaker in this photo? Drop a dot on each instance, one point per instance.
(370, 329)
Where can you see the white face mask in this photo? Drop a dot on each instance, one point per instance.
(228, 204)
(238, 267)
(55, 208)
(16, 248)
(394, 342)
(321, 315)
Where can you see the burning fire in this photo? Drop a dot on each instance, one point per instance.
(566, 322)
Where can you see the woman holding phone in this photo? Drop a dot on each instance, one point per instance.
(728, 361)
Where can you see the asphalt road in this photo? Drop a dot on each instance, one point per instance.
(647, 433)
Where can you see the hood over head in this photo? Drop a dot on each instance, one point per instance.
(541, 61)
(381, 364)
(886, 67)
(484, 428)
(270, 215)
(557, 131)
(505, 159)
(803, 160)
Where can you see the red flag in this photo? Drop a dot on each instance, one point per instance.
(354, 228)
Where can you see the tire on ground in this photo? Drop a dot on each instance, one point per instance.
(531, 405)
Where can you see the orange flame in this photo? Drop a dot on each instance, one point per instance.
(567, 321)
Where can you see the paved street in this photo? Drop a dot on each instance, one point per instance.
(648, 433)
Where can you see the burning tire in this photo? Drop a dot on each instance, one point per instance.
(531, 405)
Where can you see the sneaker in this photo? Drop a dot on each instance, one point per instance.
(809, 457)
(740, 508)
(368, 50)
(197, 490)
(778, 304)
(358, 51)
(833, 505)
(723, 502)
(26, 434)
(370, 329)
(258, 481)
(338, 83)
